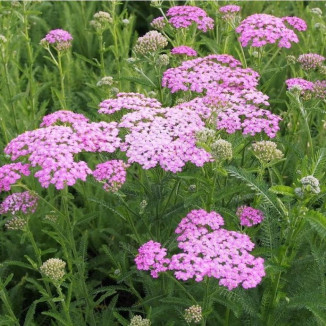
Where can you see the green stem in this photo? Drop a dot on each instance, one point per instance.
(227, 317)
(100, 38)
(6, 72)
(4, 298)
(65, 307)
(62, 84)
(30, 64)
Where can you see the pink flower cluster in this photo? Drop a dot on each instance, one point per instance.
(305, 85)
(63, 117)
(53, 147)
(229, 8)
(152, 257)
(10, 173)
(310, 61)
(129, 101)
(249, 216)
(113, 173)
(310, 89)
(158, 23)
(296, 22)
(58, 36)
(165, 137)
(186, 50)
(184, 16)
(215, 71)
(230, 93)
(23, 202)
(260, 29)
(207, 250)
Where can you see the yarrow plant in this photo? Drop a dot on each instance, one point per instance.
(54, 268)
(150, 43)
(310, 61)
(112, 174)
(193, 314)
(158, 23)
(207, 250)
(249, 216)
(58, 38)
(184, 16)
(20, 202)
(10, 173)
(186, 50)
(260, 29)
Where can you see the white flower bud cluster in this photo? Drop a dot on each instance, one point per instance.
(150, 42)
(193, 314)
(266, 151)
(53, 268)
(105, 81)
(205, 135)
(310, 184)
(16, 223)
(163, 60)
(222, 150)
(101, 20)
(139, 321)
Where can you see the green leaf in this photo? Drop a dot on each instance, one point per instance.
(259, 187)
(317, 221)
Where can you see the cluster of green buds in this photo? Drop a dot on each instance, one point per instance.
(309, 185)
(266, 151)
(105, 81)
(16, 223)
(150, 42)
(101, 21)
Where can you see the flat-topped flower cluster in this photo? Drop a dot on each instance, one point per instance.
(206, 250)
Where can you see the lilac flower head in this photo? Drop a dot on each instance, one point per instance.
(305, 85)
(59, 38)
(129, 101)
(12, 172)
(249, 216)
(310, 61)
(52, 148)
(260, 29)
(186, 50)
(163, 136)
(229, 9)
(64, 117)
(296, 22)
(184, 16)
(23, 202)
(211, 72)
(152, 257)
(112, 173)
